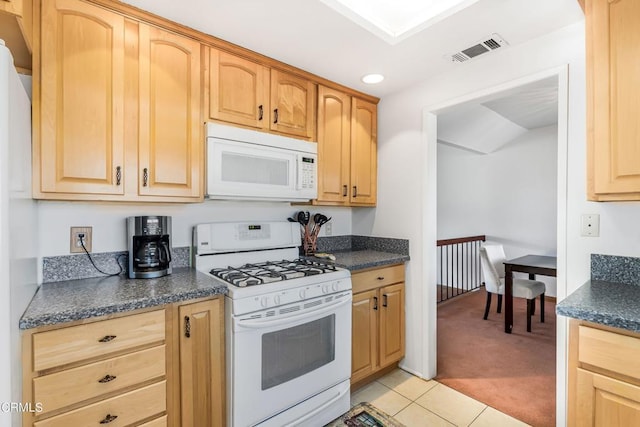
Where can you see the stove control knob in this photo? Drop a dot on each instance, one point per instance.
(276, 299)
(264, 301)
(334, 286)
(325, 288)
(303, 294)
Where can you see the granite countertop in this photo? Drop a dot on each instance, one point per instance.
(367, 258)
(71, 300)
(608, 303)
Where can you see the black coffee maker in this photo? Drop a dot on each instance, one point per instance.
(149, 240)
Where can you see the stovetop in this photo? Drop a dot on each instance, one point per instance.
(271, 271)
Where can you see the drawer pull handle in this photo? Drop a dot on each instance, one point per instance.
(275, 115)
(107, 338)
(384, 300)
(375, 303)
(118, 175)
(345, 189)
(380, 277)
(107, 378)
(145, 177)
(260, 112)
(108, 419)
(187, 327)
(355, 191)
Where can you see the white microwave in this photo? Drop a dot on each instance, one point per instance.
(252, 165)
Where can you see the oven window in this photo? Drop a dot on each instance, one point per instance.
(292, 352)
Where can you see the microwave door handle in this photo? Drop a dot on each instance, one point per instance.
(262, 324)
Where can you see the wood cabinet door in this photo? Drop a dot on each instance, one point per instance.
(604, 401)
(202, 363)
(238, 90)
(364, 337)
(364, 153)
(334, 145)
(171, 147)
(293, 105)
(78, 132)
(391, 324)
(613, 48)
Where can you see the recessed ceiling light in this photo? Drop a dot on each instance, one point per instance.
(373, 78)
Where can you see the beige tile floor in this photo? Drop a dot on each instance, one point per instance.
(416, 403)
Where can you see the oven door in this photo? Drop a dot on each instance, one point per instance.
(277, 362)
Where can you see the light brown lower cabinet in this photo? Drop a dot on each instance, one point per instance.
(604, 376)
(154, 367)
(378, 321)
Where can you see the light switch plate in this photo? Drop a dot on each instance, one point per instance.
(590, 226)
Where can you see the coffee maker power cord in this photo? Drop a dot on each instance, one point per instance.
(81, 237)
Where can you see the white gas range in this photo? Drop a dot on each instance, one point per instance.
(288, 324)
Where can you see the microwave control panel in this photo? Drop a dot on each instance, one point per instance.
(307, 172)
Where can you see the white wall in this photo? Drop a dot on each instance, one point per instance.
(482, 194)
(402, 154)
(109, 229)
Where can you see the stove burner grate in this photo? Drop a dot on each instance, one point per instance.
(271, 271)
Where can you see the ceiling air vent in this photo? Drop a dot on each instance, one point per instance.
(490, 43)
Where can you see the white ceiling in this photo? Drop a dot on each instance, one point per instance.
(487, 124)
(314, 37)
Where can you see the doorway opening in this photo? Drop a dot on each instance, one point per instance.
(435, 119)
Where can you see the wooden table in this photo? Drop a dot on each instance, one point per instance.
(532, 264)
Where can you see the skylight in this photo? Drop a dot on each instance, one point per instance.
(395, 20)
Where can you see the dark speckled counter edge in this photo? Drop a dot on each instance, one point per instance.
(80, 314)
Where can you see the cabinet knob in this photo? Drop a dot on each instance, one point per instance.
(107, 379)
(107, 338)
(380, 277)
(275, 115)
(108, 419)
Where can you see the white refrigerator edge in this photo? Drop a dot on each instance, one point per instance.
(18, 232)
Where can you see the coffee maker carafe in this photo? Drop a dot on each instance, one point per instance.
(149, 240)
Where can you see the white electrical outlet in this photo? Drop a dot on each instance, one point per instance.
(328, 229)
(590, 226)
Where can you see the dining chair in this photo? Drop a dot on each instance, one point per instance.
(492, 259)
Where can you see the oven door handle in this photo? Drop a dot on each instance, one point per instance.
(260, 324)
(321, 408)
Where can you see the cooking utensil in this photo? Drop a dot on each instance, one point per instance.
(292, 220)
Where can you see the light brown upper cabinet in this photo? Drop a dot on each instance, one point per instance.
(613, 133)
(117, 108)
(364, 153)
(79, 86)
(347, 154)
(171, 131)
(238, 90)
(293, 105)
(334, 146)
(247, 93)
(16, 30)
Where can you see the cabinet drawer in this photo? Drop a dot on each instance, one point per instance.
(608, 350)
(127, 408)
(372, 279)
(76, 343)
(71, 386)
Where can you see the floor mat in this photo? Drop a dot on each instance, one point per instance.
(365, 415)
